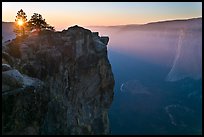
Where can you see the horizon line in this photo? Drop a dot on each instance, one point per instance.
(159, 21)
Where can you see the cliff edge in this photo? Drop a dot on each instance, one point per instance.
(56, 83)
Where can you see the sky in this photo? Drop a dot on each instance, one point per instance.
(62, 15)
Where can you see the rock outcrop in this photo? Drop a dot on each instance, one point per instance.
(57, 83)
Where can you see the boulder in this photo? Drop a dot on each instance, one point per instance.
(12, 78)
(6, 67)
(104, 40)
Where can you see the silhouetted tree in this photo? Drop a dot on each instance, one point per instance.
(20, 23)
(38, 23)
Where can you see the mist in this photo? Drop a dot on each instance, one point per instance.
(157, 70)
(175, 45)
(158, 77)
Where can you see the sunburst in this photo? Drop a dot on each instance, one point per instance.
(20, 22)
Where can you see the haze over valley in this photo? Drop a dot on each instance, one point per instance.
(133, 69)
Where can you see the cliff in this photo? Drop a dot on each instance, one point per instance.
(56, 83)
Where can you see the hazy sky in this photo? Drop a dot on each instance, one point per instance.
(64, 14)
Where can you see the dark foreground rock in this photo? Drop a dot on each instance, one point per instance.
(57, 83)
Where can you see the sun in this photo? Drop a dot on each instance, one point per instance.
(20, 22)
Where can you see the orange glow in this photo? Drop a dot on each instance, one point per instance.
(20, 22)
(67, 14)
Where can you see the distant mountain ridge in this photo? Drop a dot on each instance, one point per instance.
(7, 27)
(175, 43)
(168, 24)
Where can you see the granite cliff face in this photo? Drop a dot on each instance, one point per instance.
(57, 83)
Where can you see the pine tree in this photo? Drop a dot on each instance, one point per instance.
(20, 23)
(37, 22)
